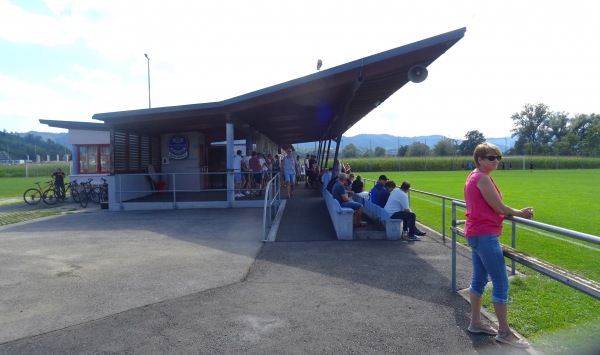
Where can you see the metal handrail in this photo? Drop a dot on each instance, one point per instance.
(273, 188)
(577, 283)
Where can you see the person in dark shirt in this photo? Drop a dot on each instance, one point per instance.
(384, 194)
(378, 187)
(330, 184)
(358, 185)
(342, 195)
(59, 180)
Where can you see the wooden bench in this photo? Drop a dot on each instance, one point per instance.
(393, 227)
(341, 217)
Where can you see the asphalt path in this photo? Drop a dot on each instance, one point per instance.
(201, 282)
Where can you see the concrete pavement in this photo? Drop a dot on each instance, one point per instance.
(200, 281)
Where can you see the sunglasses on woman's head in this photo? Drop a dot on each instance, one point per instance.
(493, 157)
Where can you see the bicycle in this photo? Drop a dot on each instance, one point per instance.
(89, 193)
(57, 194)
(72, 187)
(103, 190)
(33, 196)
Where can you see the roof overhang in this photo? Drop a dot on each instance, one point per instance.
(87, 126)
(318, 106)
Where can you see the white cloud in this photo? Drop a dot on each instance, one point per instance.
(514, 52)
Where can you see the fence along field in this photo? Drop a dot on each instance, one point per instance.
(554, 316)
(460, 163)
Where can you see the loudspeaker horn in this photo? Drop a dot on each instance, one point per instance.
(417, 73)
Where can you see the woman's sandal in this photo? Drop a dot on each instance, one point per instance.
(482, 329)
(503, 337)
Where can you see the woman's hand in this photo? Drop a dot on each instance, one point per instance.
(527, 212)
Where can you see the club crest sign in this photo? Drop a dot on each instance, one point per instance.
(179, 147)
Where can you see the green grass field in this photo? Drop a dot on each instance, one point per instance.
(554, 316)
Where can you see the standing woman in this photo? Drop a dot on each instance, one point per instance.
(485, 213)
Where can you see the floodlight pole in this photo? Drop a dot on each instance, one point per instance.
(149, 102)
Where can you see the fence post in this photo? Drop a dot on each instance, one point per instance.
(453, 247)
(443, 218)
(514, 245)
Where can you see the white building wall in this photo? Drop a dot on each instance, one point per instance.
(77, 136)
(190, 167)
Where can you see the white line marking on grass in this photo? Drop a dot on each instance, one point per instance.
(533, 230)
(591, 247)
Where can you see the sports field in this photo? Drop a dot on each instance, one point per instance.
(553, 315)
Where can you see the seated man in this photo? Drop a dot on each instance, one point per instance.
(340, 193)
(398, 208)
(326, 177)
(330, 184)
(378, 187)
(384, 194)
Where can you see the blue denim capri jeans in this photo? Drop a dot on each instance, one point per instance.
(488, 260)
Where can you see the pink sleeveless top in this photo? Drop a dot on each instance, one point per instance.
(481, 217)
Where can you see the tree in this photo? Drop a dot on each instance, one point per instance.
(444, 148)
(580, 124)
(557, 125)
(417, 149)
(591, 143)
(379, 152)
(529, 124)
(472, 140)
(402, 150)
(350, 151)
(368, 153)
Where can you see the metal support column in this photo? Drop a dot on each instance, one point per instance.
(229, 158)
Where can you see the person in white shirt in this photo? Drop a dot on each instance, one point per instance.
(237, 173)
(398, 208)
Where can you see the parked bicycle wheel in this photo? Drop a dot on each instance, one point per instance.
(50, 197)
(75, 195)
(32, 196)
(95, 194)
(84, 198)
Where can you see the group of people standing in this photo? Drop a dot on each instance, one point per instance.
(254, 170)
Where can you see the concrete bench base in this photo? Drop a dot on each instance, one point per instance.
(342, 218)
(393, 227)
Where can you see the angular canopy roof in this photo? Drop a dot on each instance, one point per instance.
(318, 106)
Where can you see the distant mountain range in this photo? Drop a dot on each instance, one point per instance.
(361, 141)
(392, 143)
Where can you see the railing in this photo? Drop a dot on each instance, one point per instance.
(272, 203)
(568, 278)
(133, 186)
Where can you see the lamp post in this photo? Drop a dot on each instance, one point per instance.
(146, 55)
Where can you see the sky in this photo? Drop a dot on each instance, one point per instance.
(69, 59)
